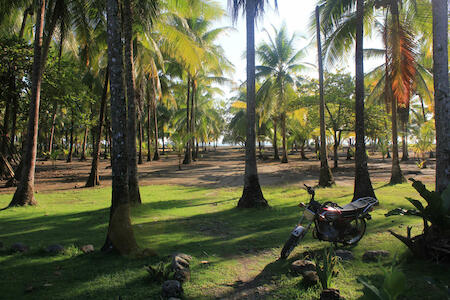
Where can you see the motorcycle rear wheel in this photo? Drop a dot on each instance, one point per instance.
(289, 246)
(359, 225)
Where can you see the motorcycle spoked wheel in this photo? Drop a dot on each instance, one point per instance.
(359, 225)
(289, 246)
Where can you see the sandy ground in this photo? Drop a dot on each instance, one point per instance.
(221, 168)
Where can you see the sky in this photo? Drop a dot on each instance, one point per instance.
(296, 15)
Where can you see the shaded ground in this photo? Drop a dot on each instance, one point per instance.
(222, 168)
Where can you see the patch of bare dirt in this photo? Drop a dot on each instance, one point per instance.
(221, 168)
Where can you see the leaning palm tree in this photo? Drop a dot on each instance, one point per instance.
(441, 87)
(252, 195)
(279, 65)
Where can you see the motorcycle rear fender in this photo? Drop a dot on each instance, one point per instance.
(299, 231)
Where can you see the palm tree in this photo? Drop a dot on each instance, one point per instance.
(326, 177)
(279, 63)
(252, 195)
(120, 235)
(24, 194)
(133, 184)
(441, 88)
(343, 26)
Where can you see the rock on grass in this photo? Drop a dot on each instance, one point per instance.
(19, 247)
(375, 255)
(301, 266)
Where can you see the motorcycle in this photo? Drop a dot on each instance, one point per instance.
(332, 223)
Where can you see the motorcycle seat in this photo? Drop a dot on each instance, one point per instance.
(358, 205)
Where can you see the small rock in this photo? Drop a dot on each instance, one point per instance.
(87, 248)
(301, 266)
(374, 255)
(19, 247)
(186, 257)
(54, 249)
(180, 265)
(344, 254)
(310, 278)
(330, 294)
(172, 288)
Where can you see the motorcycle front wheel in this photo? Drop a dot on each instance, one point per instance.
(289, 246)
(359, 228)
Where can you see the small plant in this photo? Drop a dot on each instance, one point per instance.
(421, 164)
(160, 272)
(394, 284)
(326, 267)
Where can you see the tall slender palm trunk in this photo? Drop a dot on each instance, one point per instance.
(24, 194)
(363, 184)
(83, 147)
(133, 182)
(188, 153)
(396, 172)
(326, 177)
(252, 195)
(276, 156)
(149, 129)
(94, 178)
(72, 125)
(155, 120)
(52, 130)
(120, 235)
(283, 133)
(441, 96)
(192, 122)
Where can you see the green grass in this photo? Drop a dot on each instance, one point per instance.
(240, 245)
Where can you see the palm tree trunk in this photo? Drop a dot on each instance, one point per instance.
(187, 153)
(83, 147)
(94, 178)
(140, 162)
(405, 155)
(302, 151)
(24, 194)
(72, 125)
(192, 122)
(396, 172)
(149, 129)
(52, 130)
(275, 138)
(441, 88)
(155, 120)
(337, 141)
(363, 184)
(326, 177)
(133, 181)
(283, 132)
(252, 195)
(120, 235)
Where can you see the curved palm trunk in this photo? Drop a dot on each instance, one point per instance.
(441, 87)
(133, 182)
(252, 195)
(302, 151)
(326, 177)
(363, 185)
(24, 194)
(94, 178)
(120, 235)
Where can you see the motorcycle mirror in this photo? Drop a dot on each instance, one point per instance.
(301, 204)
